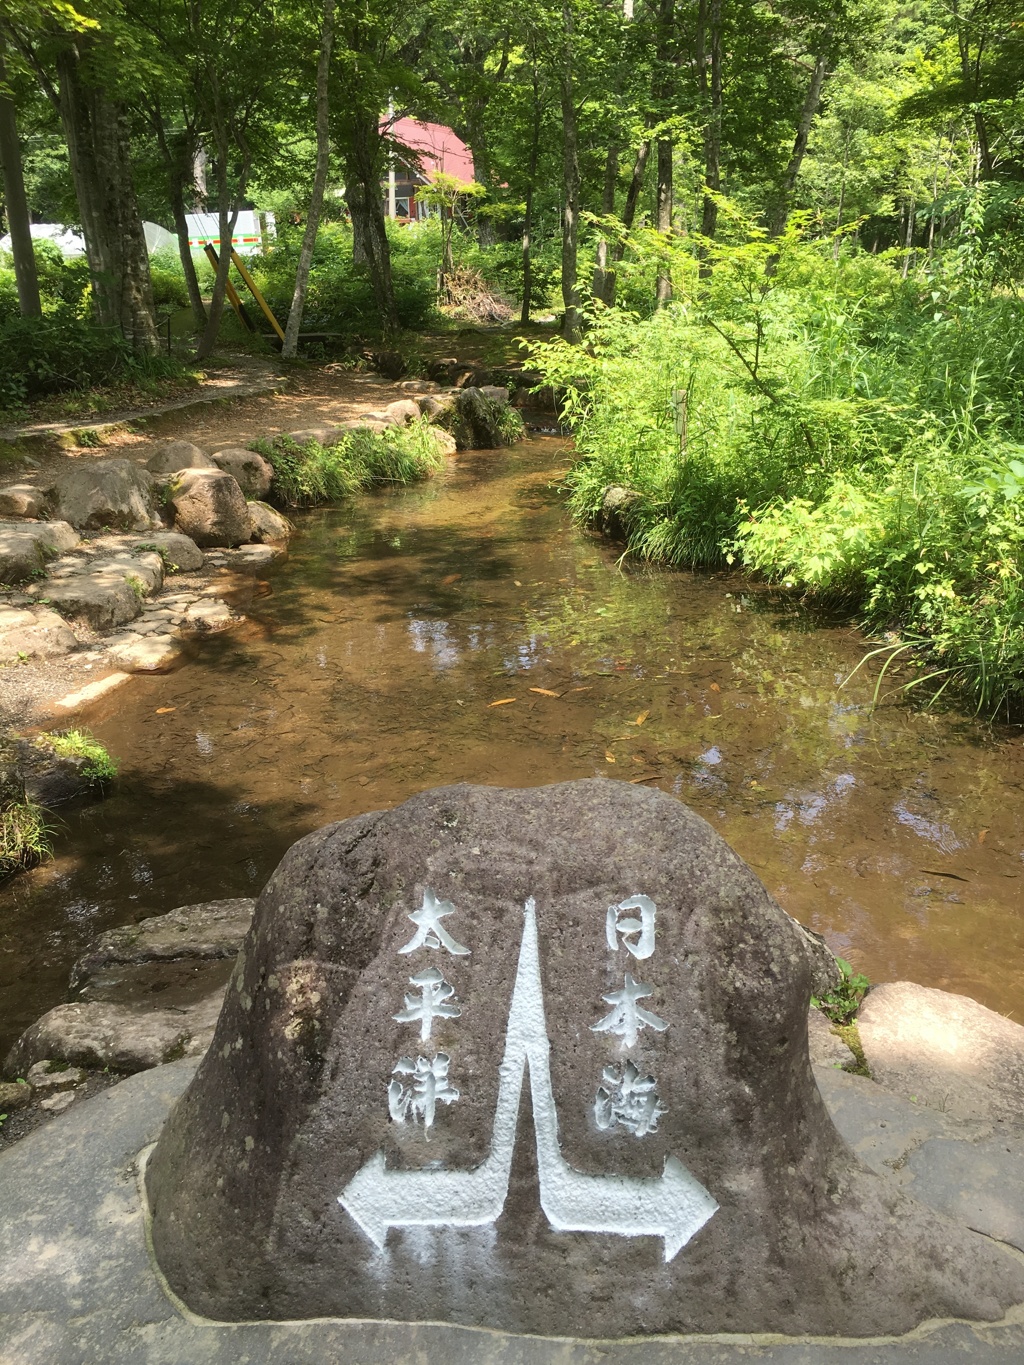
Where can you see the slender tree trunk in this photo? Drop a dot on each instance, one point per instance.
(571, 325)
(633, 193)
(812, 101)
(17, 205)
(180, 163)
(908, 246)
(969, 69)
(842, 193)
(111, 223)
(188, 265)
(323, 155)
(611, 176)
(709, 65)
(663, 218)
(663, 197)
(362, 194)
(227, 217)
(530, 184)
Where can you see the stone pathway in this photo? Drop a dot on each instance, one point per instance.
(78, 1284)
(242, 382)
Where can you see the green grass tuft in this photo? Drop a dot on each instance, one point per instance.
(312, 474)
(100, 766)
(24, 836)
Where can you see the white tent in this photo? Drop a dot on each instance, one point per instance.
(247, 239)
(71, 243)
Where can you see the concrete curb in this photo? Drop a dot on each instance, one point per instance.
(77, 1285)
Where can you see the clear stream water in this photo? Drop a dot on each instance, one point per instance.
(368, 670)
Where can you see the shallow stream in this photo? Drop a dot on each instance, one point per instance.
(463, 630)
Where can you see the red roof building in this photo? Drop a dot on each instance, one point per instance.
(437, 149)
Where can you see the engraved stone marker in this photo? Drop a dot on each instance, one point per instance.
(535, 1060)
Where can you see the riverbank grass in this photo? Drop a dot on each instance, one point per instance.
(24, 836)
(99, 767)
(805, 410)
(311, 474)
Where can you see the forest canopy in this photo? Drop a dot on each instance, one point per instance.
(781, 243)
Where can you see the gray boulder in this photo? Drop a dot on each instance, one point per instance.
(403, 410)
(107, 592)
(210, 508)
(98, 493)
(25, 550)
(615, 508)
(33, 634)
(170, 456)
(945, 1051)
(192, 933)
(826, 1048)
(248, 468)
(535, 1061)
(474, 419)
(122, 1037)
(268, 525)
(179, 553)
(51, 779)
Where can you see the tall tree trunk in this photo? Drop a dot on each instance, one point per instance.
(227, 217)
(908, 245)
(812, 101)
(17, 205)
(611, 176)
(115, 244)
(527, 244)
(709, 64)
(362, 194)
(188, 265)
(663, 218)
(323, 154)
(970, 71)
(180, 162)
(663, 196)
(633, 193)
(571, 324)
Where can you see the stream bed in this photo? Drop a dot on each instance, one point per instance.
(464, 630)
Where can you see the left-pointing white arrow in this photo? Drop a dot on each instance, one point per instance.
(673, 1206)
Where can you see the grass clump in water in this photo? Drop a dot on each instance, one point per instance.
(24, 836)
(99, 767)
(310, 474)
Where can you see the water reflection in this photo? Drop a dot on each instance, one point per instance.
(371, 669)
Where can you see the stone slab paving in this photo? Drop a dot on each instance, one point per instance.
(77, 1286)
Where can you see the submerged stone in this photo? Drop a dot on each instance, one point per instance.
(536, 1060)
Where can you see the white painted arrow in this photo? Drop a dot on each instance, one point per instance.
(673, 1206)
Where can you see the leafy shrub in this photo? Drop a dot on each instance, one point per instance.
(843, 1000)
(849, 433)
(310, 474)
(169, 289)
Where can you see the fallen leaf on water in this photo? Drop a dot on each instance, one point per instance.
(981, 836)
(452, 578)
(651, 777)
(504, 701)
(165, 710)
(609, 757)
(517, 582)
(545, 692)
(641, 717)
(715, 687)
(582, 689)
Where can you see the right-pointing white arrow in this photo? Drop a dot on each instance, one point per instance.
(673, 1206)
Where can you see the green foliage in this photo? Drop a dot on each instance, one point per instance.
(340, 295)
(99, 768)
(169, 290)
(24, 836)
(843, 1000)
(307, 475)
(852, 434)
